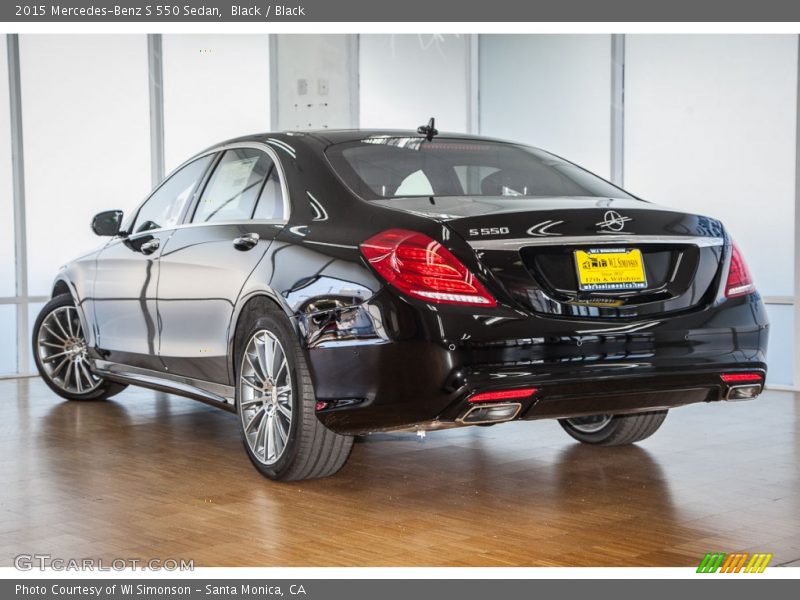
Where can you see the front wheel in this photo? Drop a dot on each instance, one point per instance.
(276, 405)
(59, 349)
(614, 430)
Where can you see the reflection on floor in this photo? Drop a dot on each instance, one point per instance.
(154, 476)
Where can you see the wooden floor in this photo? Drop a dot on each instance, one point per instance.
(154, 476)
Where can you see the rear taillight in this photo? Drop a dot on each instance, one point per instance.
(740, 282)
(421, 267)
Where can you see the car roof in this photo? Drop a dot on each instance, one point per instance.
(338, 136)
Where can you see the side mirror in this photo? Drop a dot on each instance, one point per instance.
(107, 222)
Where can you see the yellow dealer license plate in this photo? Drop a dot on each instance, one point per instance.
(610, 269)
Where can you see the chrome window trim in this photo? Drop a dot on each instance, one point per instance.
(267, 149)
(231, 222)
(569, 240)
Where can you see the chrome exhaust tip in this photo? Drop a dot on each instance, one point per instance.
(743, 392)
(490, 413)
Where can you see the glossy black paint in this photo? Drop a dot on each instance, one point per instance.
(107, 222)
(165, 303)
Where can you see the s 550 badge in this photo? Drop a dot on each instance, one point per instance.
(489, 231)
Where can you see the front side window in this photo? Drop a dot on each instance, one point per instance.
(234, 187)
(392, 167)
(164, 208)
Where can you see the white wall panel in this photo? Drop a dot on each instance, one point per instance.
(550, 91)
(710, 128)
(85, 116)
(406, 79)
(7, 272)
(315, 82)
(215, 87)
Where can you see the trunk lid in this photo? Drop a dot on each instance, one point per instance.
(533, 246)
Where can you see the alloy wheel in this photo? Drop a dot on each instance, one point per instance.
(61, 347)
(590, 424)
(265, 397)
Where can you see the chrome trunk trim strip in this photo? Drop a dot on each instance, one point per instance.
(592, 240)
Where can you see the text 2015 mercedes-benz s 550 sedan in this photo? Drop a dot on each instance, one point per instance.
(328, 284)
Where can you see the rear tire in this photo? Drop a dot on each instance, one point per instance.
(617, 430)
(59, 350)
(276, 404)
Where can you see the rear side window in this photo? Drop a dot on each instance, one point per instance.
(165, 206)
(270, 202)
(391, 167)
(416, 184)
(234, 187)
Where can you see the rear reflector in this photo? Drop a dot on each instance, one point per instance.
(740, 282)
(502, 395)
(741, 377)
(421, 267)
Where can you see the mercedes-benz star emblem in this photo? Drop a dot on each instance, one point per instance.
(613, 221)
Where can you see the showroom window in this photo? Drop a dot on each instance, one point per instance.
(165, 207)
(234, 187)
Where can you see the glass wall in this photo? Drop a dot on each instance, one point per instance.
(8, 312)
(780, 355)
(7, 272)
(550, 91)
(8, 339)
(215, 87)
(710, 126)
(406, 79)
(90, 150)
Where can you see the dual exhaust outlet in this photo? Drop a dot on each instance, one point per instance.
(490, 407)
(743, 392)
(498, 411)
(492, 413)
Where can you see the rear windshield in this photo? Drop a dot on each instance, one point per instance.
(399, 167)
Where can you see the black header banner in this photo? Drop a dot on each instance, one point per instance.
(259, 11)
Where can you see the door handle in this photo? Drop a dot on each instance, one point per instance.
(247, 241)
(150, 246)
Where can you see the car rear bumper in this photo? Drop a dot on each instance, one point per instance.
(421, 376)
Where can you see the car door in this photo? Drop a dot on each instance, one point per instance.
(207, 260)
(128, 271)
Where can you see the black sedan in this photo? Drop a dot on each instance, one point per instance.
(335, 283)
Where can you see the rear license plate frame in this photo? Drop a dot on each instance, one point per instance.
(609, 269)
